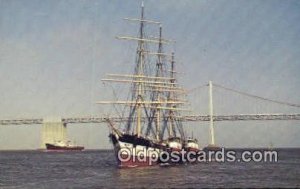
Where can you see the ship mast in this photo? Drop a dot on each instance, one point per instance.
(159, 73)
(140, 73)
(171, 129)
(148, 93)
(173, 118)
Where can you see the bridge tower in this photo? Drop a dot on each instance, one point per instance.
(211, 114)
(53, 129)
(212, 145)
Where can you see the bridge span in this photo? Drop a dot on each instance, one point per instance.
(91, 119)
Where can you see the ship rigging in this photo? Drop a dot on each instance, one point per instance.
(154, 95)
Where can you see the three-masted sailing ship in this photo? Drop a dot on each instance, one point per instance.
(153, 123)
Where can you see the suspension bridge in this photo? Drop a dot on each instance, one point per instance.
(59, 125)
(194, 117)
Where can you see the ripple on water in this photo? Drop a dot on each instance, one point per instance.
(36, 169)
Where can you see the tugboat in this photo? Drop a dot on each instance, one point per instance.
(212, 147)
(63, 146)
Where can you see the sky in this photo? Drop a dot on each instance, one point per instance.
(53, 55)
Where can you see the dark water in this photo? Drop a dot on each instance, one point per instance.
(96, 169)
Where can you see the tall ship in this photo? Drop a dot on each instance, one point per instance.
(151, 119)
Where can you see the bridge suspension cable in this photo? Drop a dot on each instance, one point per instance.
(258, 97)
(196, 88)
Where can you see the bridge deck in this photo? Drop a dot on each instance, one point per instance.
(241, 117)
